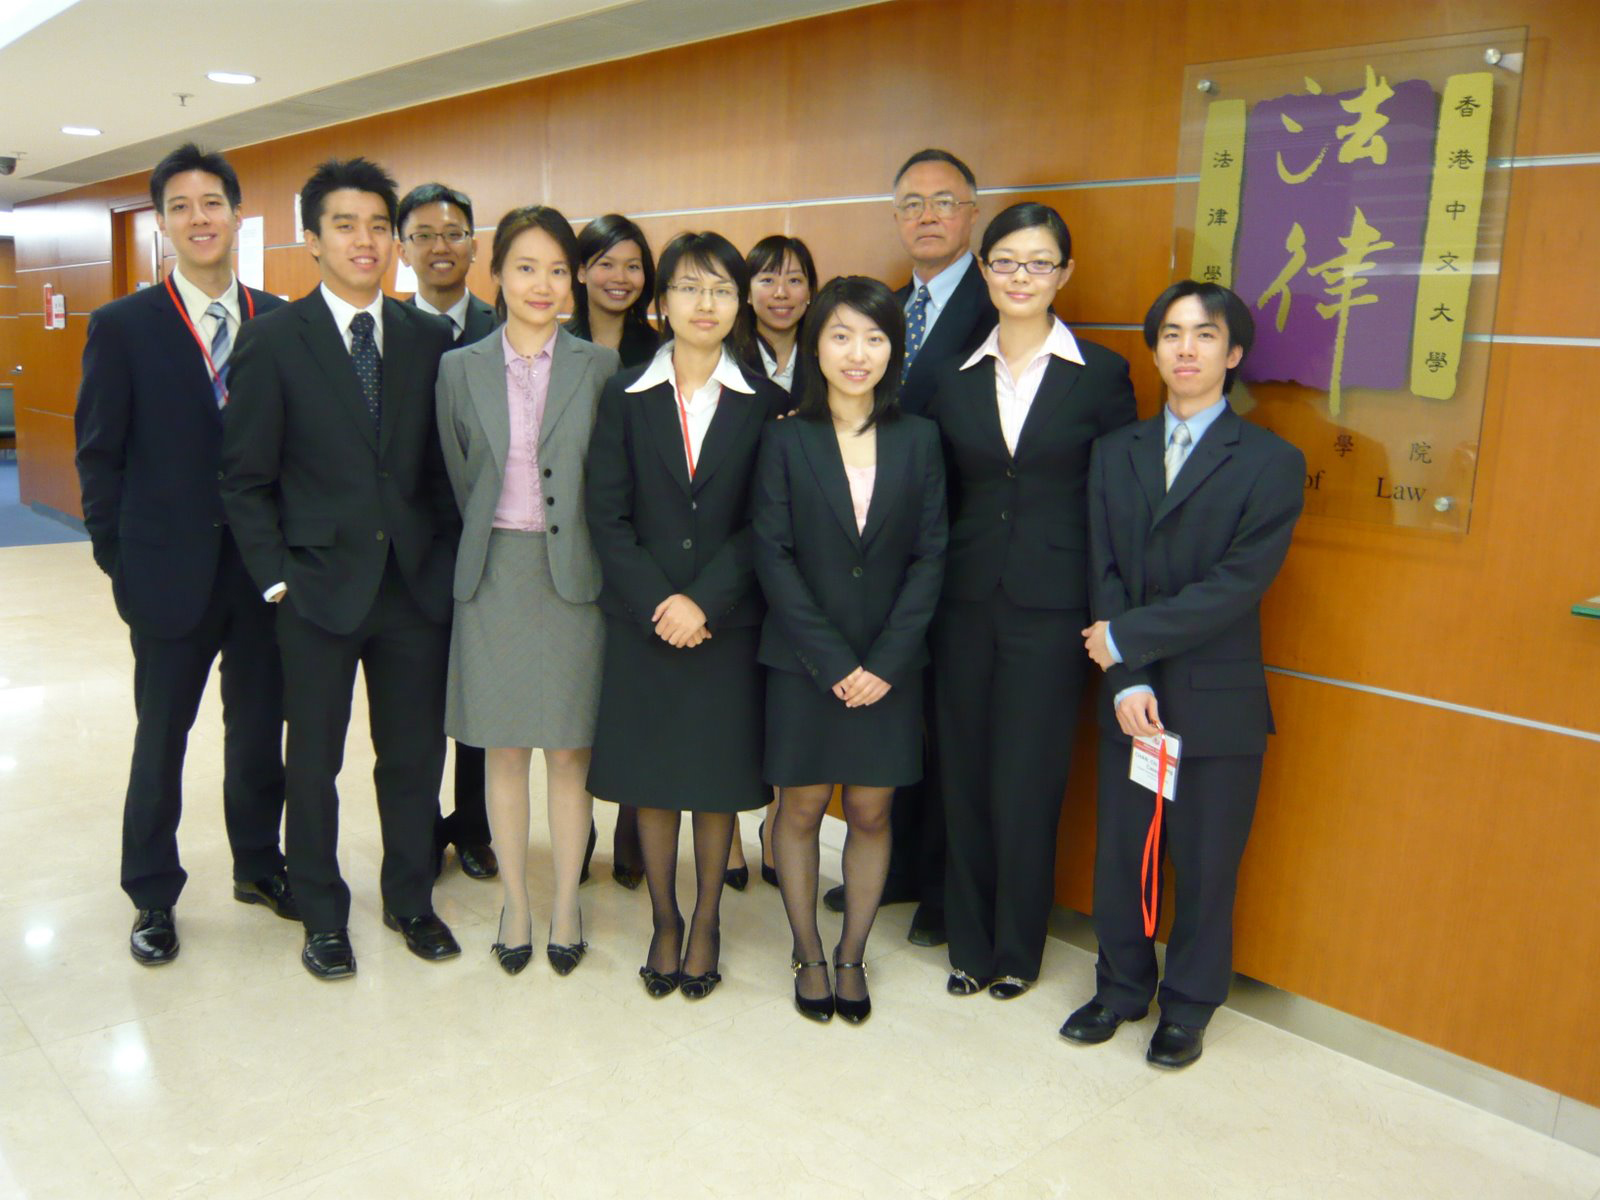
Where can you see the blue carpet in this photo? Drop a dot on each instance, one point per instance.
(20, 526)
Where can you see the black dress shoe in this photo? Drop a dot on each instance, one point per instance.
(660, 983)
(588, 853)
(698, 987)
(328, 955)
(426, 936)
(853, 1011)
(833, 899)
(1009, 987)
(273, 891)
(477, 860)
(1174, 1046)
(738, 878)
(768, 874)
(628, 877)
(565, 958)
(1092, 1024)
(818, 1009)
(962, 984)
(927, 926)
(512, 959)
(155, 937)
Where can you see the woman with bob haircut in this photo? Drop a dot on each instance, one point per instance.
(849, 516)
(515, 413)
(680, 723)
(1017, 419)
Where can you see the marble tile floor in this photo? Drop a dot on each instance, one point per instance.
(231, 1073)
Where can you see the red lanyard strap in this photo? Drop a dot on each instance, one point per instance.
(1150, 867)
(183, 313)
(683, 421)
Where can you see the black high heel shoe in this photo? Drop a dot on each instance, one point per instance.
(698, 987)
(660, 983)
(588, 853)
(854, 1011)
(820, 1010)
(511, 958)
(565, 958)
(738, 878)
(768, 874)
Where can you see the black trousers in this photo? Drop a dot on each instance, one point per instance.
(402, 655)
(1204, 831)
(169, 678)
(468, 825)
(916, 823)
(1010, 685)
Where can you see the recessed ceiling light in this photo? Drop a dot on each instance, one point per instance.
(230, 77)
(81, 130)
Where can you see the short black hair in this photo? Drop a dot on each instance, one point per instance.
(189, 157)
(599, 236)
(1027, 215)
(716, 255)
(874, 301)
(1221, 304)
(934, 155)
(432, 193)
(358, 174)
(518, 221)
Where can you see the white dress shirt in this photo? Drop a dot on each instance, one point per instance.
(702, 405)
(785, 377)
(457, 312)
(1015, 396)
(196, 302)
(344, 312)
(940, 288)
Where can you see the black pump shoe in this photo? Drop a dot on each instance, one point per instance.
(511, 958)
(768, 874)
(565, 958)
(588, 853)
(660, 984)
(853, 1011)
(820, 1009)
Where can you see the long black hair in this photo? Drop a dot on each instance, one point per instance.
(599, 236)
(874, 301)
(715, 255)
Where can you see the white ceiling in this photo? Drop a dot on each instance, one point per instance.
(117, 65)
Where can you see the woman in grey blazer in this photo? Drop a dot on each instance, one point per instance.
(515, 413)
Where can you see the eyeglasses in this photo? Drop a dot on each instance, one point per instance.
(720, 293)
(1034, 266)
(944, 206)
(426, 238)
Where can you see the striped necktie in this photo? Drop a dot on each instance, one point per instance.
(221, 347)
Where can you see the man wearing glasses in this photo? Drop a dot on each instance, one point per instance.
(436, 242)
(948, 314)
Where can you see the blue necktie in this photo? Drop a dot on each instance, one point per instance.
(369, 365)
(221, 345)
(916, 328)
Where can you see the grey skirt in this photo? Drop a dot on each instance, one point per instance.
(524, 663)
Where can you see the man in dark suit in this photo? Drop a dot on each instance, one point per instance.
(948, 314)
(336, 488)
(149, 426)
(436, 242)
(1190, 517)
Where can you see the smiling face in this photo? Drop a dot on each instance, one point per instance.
(852, 353)
(1021, 294)
(780, 296)
(535, 279)
(702, 305)
(934, 241)
(426, 248)
(1192, 353)
(353, 244)
(614, 277)
(196, 216)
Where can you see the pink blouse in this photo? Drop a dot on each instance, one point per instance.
(521, 503)
(860, 480)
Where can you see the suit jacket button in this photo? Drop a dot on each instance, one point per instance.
(1005, 514)
(1011, 472)
(694, 506)
(547, 472)
(555, 529)
(855, 572)
(380, 535)
(216, 524)
(688, 543)
(549, 499)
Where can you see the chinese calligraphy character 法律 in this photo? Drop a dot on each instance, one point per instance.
(1346, 274)
(1360, 138)
(1295, 244)
(1284, 173)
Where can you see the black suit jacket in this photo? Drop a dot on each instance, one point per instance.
(149, 451)
(317, 496)
(1180, 574)
(1021, 523)
(838, 599)
(655, 532)
(962, 325)
(481, 321)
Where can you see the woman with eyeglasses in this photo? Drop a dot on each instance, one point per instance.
(515, 412)
(1017, 419)
(850, 531)
(611, 307)
(680, 724)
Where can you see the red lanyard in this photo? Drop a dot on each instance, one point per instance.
(216, 376)
(1150, 868)
(683, 420)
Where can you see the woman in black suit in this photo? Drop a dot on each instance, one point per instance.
(850, 540)
(1017, 419)
(669, 469)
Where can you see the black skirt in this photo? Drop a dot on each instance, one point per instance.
(813, 738)
(679, 728)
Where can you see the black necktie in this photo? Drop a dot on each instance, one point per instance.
(369, 365)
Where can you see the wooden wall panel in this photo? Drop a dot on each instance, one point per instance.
(1371, 858)
(86, 287)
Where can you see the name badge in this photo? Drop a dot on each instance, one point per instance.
(1146, 766)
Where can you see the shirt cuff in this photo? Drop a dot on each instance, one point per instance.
(1111, 645)
(273, 592)
(1116, 701)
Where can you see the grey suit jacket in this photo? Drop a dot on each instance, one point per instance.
(475, 431)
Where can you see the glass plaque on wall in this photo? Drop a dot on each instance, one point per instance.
(1355, 199)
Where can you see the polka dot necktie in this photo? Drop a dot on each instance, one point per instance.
(221, 344)
(369, 366)
(1177, 452)
(916, 328)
